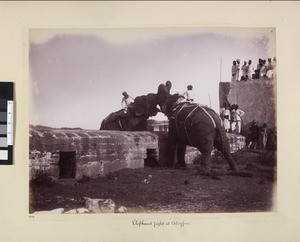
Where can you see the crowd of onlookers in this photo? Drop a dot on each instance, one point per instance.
(264, 69)
(261, 138)
(257, 137)
(231, 116)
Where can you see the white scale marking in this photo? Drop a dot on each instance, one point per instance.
(10, 122)
(3, 154)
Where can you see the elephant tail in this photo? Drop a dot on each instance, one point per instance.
(221, 141)
(221, 137)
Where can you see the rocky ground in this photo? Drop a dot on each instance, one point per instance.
(162, 190)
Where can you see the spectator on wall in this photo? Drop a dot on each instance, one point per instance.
(269, 73)
(250, 70)
(274, 67)
(244, 72)
(263, 69)
(238, 63)
(258, 68)
(234, 71)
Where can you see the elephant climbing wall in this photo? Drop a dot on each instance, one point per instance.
(68, 153)
(257, 98)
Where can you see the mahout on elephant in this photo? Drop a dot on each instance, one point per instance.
(198, 126)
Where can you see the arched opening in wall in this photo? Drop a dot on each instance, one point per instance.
(67, 164)
(152, 158)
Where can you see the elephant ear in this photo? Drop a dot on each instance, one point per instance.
(138, 111)
(139, 105)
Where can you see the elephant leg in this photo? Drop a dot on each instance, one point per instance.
(171, 154)
(205, 147)
(172, 143)
(181, 154)
(206, 161)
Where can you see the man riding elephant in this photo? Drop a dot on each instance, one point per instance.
(198, 126)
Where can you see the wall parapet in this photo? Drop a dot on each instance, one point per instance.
(91, 152)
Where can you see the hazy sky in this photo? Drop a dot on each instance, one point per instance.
(77, 76)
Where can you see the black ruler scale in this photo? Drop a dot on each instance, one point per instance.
(6, 122)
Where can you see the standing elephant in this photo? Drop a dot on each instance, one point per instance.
(198, 126)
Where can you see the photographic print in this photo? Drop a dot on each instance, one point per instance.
(152, 120)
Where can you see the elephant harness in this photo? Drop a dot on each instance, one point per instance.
(184, 116)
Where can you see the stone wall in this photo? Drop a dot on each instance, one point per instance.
(257, 98)
(96, 153)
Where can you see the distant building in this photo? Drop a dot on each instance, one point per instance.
(158, 126)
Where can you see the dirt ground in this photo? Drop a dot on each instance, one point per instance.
(164, 190)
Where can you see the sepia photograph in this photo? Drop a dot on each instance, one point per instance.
(152, 120)
(149, 121)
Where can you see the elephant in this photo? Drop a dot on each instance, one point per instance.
(122, 121)
(198, 126)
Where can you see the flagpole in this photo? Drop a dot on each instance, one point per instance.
(221, 69)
